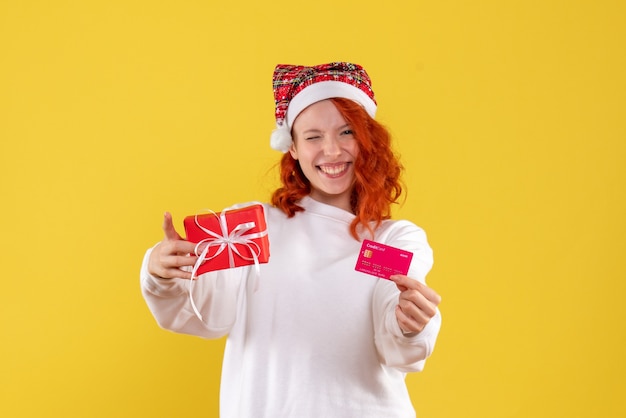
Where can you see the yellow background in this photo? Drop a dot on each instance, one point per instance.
(509, 116)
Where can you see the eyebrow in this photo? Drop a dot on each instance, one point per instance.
(315, 130)
(312, 131)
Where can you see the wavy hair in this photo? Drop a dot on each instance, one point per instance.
(377, 173)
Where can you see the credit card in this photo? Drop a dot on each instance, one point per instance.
(382, 260)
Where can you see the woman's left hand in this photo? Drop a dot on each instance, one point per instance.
(417, 304)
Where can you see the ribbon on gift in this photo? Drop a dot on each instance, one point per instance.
(226, 241)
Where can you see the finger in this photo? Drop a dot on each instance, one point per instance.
(168, 227)
(430, 294)
(171, 266)
(172, 273)
(408, 323)
(178, 247)
(416, 305)
(405, 283)
(399, 281)
(168, 257)
(178, 261)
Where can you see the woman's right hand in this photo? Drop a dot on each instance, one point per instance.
(171, 254)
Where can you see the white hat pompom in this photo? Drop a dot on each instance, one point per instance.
(280, 140)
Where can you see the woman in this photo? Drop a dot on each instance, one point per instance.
(314, 337)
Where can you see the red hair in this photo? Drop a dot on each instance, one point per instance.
(377, 173)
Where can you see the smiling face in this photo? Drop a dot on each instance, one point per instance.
(326, 150)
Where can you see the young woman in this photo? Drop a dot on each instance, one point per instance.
(313, 337)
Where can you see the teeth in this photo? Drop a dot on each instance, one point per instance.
(333, 170)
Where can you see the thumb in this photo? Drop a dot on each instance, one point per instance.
(168, 227)
(400, 281)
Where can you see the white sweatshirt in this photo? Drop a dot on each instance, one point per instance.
(311, 337)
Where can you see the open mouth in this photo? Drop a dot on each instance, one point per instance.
(333, 170)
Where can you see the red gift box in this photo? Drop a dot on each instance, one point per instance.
(231, 238)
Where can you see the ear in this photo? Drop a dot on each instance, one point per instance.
(293, 151)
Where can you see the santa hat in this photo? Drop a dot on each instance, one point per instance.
(296, 87)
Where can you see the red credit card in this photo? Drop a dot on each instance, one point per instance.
(382, 260)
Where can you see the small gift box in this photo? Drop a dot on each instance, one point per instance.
(231, 238)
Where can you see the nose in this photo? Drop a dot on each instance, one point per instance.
(331, 146)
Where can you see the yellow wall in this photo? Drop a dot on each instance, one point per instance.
(509, 116)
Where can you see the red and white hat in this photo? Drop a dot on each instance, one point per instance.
(296, 87)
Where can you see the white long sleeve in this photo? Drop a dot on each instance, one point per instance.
(215, 295)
